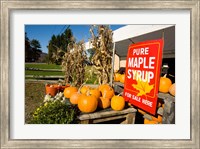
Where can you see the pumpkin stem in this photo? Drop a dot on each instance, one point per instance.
(104, 95)
(79, 89)
(120, 94)
(88, 93)
(165, 76)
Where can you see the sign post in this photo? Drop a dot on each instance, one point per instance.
(142, 76)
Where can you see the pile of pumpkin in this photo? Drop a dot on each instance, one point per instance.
(166, 85)
(119, 77)
(89, 99)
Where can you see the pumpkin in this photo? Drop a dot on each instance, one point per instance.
(103, 86)
(75, 97)
(104, 102)
(164, 85)
(117, 103)
(146, 121)
(95, 92)
(117, 77)
(172, 89)
(84, 89)
(157, 119)
(69, 91)
(108, 92)
(87, 103)
(122, 78)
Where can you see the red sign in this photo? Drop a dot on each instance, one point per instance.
(143, 66)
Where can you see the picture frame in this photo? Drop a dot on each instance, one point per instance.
(8, 6)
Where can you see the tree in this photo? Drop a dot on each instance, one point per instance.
(28, 50)
(35, 44)
(58, 45)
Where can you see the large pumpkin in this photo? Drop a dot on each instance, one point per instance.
(172, 89)
(164, 85)
(117, 103)
(69, 91)
(87, 103)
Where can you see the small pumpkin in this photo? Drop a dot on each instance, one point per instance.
(69, 91)
(172, 89)
(157, 119)
(122, 78)
(104, 102)
(108, 92)
(117, 77)
(164, 84)
(117, 103)
(146, 121)
(87, 103)
(84, 89)
(95, 92)
(75, 97)
(103, 86)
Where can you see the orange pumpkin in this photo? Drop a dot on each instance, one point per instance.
(87, 103)
(104, 102)
(164, 85)
(157, 119)
(146, 121)
(117, 77)
(84, 89)
(103, 86)
(69, 91)
(75, 97)
(95, 92)
(122, 78)
(172, 89)
(117, 103)
(108, 92)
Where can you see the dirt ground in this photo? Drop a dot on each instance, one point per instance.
(34, 96)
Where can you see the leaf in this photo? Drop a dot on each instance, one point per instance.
(143, 87)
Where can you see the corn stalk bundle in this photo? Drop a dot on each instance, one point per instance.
(73, 64)
(102, 58)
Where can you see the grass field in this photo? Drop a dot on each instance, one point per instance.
(42, 66)
(91, 77)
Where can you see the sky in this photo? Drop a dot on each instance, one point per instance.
(43, 33)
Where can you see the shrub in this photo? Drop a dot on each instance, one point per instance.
(56, 112)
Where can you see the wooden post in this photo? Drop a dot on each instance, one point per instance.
(112, 69)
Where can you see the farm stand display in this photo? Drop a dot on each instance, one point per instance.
(165, 106)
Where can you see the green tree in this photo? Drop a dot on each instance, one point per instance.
(35, 44)
(58, 45)
(28, 50)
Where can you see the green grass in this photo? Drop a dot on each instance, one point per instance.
(44, 73)
(42, 66)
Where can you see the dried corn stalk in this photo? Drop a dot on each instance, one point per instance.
(102, 59)
(73, 64)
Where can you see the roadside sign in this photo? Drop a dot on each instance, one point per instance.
(142, 76)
